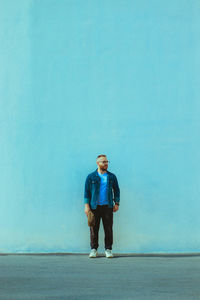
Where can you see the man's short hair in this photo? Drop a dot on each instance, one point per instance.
(101, 155)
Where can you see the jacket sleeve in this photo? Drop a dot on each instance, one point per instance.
(87, 193)
(116, 191)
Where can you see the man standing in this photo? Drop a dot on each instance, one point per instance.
(101, 196)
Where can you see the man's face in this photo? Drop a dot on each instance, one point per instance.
(103, 163)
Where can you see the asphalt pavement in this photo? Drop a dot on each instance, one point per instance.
(59, 276)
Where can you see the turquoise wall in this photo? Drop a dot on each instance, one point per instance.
(81, 78)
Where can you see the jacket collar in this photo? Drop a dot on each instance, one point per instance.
(96, 173)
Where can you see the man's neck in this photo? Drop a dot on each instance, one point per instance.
(102, 172)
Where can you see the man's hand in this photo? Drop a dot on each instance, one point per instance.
(87, 209)
(115, 208)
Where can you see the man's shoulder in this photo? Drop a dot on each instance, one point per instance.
(111, 174)
(91, 175)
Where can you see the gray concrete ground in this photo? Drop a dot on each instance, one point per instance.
(78, 277)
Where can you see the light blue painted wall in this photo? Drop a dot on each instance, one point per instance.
(80, 78)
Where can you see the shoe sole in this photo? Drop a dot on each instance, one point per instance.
(109, 256)
(93, 256)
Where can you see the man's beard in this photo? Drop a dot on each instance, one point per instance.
(103, 168)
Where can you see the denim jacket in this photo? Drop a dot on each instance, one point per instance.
(92, 189)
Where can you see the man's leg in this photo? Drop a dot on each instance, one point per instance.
(94, 231)
(107, 218)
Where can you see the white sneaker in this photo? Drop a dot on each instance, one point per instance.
(93, 253)
(108, 253)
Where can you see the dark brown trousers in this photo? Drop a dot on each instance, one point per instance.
(106, 214)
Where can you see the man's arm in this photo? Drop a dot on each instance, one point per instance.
(116, 191)
(87, 196)
(116, 194)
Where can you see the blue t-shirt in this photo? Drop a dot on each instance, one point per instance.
(102, 199)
